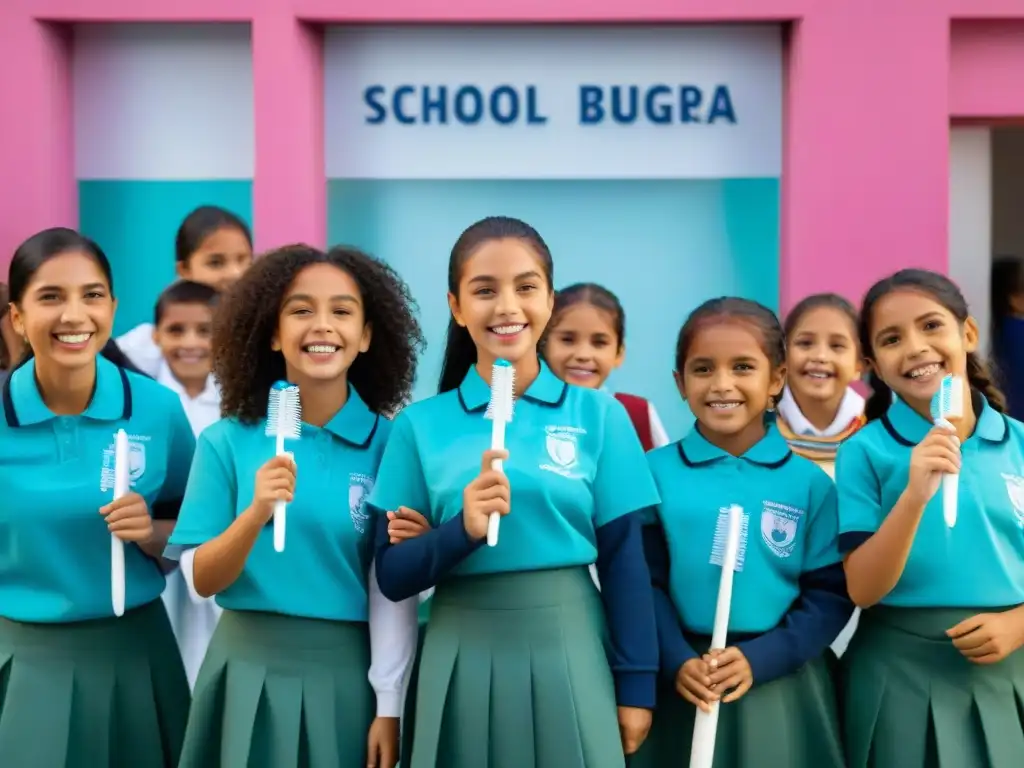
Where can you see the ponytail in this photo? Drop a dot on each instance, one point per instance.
(980, 378)
(879, 400)
(459, 357)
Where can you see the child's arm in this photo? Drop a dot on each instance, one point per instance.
(878, 544)
(673, 648)
(629, 608)
(393, 631)
(420, 563)
(822, 609)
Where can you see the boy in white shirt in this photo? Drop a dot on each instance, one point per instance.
(182, 331)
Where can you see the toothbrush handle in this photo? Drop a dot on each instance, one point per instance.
(950, 492)
(117, 583)
(280, 508)
(280, 514)
(494, 519)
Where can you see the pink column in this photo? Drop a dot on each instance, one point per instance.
(290, 186)
(866, 169)
(37, 153)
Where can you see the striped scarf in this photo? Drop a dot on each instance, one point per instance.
(818, 449)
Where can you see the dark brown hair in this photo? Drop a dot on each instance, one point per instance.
(247, 317)
(730, 308)
(459, 350)
(596, 296)
(818, 301)
(945, 292)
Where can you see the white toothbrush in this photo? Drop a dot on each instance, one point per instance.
(122, 485)
(499, 411)
(729, 550)
(947, 408)
(284, 422)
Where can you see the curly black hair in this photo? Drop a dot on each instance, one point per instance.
(245, 322)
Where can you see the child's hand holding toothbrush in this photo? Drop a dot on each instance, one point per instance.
(489, 492)
(128, 518)
(275, 481)
(936, 455)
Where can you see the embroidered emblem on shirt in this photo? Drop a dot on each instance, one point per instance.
(1015, 490)
(779, 524)
(562, 444)
(136, 462)
(359, 487)
(722, 534)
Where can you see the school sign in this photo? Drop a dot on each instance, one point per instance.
(554, 102)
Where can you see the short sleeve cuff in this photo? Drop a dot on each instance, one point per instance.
(166, 510)
(850, 540)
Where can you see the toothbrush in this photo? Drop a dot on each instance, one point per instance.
(499, 411)
(948, 408)
(122, 485)
(729, 554)
(284, 422)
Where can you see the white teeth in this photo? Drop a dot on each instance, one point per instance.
(925, 370)
(507, 330)
(818, 375)
(321, 349)
(73, 338)
(724, 406)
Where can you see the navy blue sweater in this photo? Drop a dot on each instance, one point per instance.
(412, 566)
(813, 621)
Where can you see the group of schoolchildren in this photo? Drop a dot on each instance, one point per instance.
(388, 629)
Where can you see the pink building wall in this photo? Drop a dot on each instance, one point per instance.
(871, 89)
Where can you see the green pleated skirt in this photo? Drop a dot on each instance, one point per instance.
(281, 692)
(409, 711)
(514, 675)
(791, 722)
(911, 700)
(105, 693)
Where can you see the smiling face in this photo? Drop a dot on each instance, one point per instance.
(504, 301)
(67, 311)
(822, 356)
(728, 381)
(583, 347)
(219, 260)
(916, 341)
(321, 326)
(184, 337)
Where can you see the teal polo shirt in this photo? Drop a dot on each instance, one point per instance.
(790, 527)
(978, 563)
(575, 463)
(57, 471)
(328, 547)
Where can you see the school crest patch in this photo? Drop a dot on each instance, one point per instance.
(562, 447)
(1015, 490)
(136, 461)
(780, 524)
(359, 487)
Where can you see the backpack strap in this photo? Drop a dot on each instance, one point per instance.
(640, 414)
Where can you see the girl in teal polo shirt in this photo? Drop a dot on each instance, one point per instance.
(79, 687)
(305, 642)
(514, 672)
(789, 599)
(934, 675)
